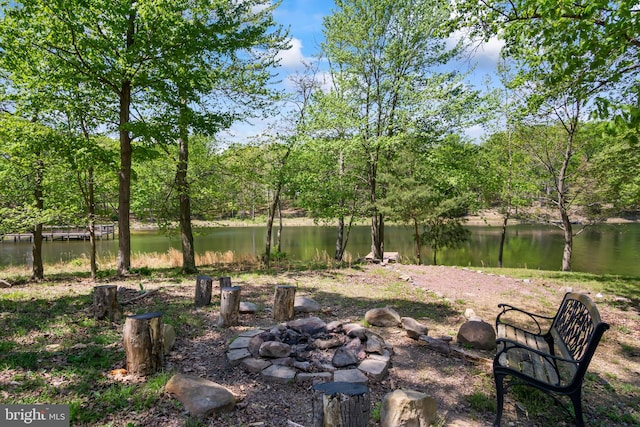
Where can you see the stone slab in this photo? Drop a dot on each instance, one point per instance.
(376, 369)
(253, 364)
(279, 374)
(251, 333)
(236, 356)
(240, 342)
(304, 377)
(350, 376)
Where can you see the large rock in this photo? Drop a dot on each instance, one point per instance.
(308, 325)
(477, 334)
(355, 330)
(247, 308)
(413, 328)
(256, 342)
(274, 349)
(199, 396)
(407, 408)
(305, 305)
(344, 357)
(385, 317)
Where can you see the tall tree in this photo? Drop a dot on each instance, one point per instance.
(383, 52)
(125, 46)
(597, 40)
(35, 186)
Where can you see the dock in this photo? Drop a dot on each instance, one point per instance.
(102, 231)
(387, 257)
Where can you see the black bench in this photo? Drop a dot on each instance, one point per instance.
(552, 353)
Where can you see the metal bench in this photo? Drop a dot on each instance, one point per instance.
(552, 358)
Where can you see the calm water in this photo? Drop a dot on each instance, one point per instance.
(603, 249)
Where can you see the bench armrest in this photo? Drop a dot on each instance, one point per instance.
(506, 308)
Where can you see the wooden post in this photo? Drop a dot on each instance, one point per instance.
(144, 343)
(343, 405)
(283, 302)
(225, 282)
(204, 285)
(105, 303)
(229, 306)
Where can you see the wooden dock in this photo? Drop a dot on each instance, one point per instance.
(102, 231)
(387, 257)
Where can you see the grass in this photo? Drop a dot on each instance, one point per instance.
(53, 350)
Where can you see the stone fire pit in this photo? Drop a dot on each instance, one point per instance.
(307, 349)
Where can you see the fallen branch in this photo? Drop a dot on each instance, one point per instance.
(441, 345)
(5, 284)
(136, 298)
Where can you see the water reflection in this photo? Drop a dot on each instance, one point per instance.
(601, 249)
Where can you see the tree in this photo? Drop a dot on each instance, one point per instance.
(430, 189)
(32, 178)
(381, 53)
(597, 40)
(122, 47)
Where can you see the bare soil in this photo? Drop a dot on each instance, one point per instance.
(436, 296)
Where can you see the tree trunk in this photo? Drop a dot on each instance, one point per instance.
(186, 234)
(124, 176)
(284, 302)
(124, 184)
(339, 240)
(343, 405)
(568, 241)
(272, 210)
(92, 225)
(144, 343)
(38, 268)
(229, 306)
(204, 288)
(416, 238)
(279, 234)
(503, 237)
(105, 303)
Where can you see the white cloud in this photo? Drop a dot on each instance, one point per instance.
(293, 57)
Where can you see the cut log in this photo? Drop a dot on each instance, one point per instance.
(225, 282)
(143, 336)
(138, 297)
(105, 303)
(439, 345)
(343, 405)
(204, 285)
(284, 302)
(229, 306)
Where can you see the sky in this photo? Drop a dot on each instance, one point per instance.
(304, 20)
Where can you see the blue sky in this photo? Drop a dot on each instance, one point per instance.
(304, 20)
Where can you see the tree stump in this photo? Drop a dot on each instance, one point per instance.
(144, 343)
(204, 285)
(229, 306)
(225, 282)
(284, 302)
(343, 405)
(105, 303)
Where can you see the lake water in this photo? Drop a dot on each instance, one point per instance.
(613, 249)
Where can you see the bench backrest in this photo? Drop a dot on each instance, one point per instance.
(576, 330)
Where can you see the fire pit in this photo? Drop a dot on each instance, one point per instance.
(308, 348)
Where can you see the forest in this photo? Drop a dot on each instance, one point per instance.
(113, 111)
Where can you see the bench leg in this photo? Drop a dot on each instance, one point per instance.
(577, 407)
(499, 380)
